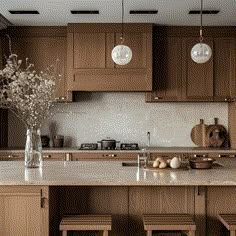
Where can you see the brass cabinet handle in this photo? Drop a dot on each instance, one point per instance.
(68, 157)
(226, 155)
(157, 98)
(109, 155)
(60, 99)
(47, 156)
(200, 155)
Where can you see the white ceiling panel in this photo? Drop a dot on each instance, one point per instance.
(170, 12)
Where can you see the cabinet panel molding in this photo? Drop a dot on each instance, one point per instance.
(90, 66)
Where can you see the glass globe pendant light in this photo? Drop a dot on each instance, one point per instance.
(201, 52)
(121, 54)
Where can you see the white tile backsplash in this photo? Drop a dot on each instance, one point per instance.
(124, 117)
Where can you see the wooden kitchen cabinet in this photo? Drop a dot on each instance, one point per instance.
(197, 78)
(21, 156)
(24, 211)
(158, 200)
(53, 156)
(89, 62)
(176, 77)
(42, 46)
(224, 69)
(104, 156)
(218, 203)
(167, 69)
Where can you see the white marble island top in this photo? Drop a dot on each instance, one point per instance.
(112, 173)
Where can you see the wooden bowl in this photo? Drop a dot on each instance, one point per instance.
(201, 163)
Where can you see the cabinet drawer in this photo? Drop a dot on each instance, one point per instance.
(108, 156)
(53, 156)
(12, 157)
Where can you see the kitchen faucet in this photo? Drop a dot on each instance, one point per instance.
(148, 138)
(145, 155)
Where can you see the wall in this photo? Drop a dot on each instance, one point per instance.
(124, 117)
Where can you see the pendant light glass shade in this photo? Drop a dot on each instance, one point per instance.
(201, 53)
(121, 54)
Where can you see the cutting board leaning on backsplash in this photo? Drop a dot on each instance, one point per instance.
(213, 135)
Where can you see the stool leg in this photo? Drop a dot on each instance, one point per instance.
(191, 233)
(232, 233)
(105, 233)
(64, 233)
(149, 233)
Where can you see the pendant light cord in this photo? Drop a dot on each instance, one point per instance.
(122, 24)
(201, 37)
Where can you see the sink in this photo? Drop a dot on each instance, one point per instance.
(130, 164)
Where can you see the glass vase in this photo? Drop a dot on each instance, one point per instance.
(33, 148)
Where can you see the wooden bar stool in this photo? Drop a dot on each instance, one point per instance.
(169, 222)
(85, 223)
(229, 221)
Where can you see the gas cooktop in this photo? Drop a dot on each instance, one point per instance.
(123, 146)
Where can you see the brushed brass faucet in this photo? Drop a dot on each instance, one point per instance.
(148, 139)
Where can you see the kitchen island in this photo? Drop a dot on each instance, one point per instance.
(37, 198)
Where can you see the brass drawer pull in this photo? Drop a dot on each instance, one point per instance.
(47, 156)
(226, 155)
(68, 157)
(109, 155)
(157, 98)
(200, 155)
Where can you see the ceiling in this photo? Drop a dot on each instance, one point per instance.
(170, 12)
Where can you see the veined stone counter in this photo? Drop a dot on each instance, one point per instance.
(112, 173)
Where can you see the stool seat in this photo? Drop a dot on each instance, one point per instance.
(170, 222)
(229, 221)
(86, 222)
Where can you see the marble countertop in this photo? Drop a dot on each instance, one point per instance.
(112, 173)
(150, 149)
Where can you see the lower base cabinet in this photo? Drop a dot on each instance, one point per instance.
(23, 211)
(37, 210)
(219, 200)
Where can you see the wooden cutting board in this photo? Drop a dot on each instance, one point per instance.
(198, 134)
(216, 135)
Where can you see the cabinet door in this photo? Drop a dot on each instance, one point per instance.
(22, 211)
(43, 52)
(11, 157)
(219, 200)
(137, 42)
(224, 69)
(197, 78)
(167, 70)
(157, 200)
(89, 50)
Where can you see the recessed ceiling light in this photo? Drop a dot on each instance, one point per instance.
(84, 12)
(23, 12)
(143, 12)
(208, 12)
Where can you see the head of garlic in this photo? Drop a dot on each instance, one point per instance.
(175, 163)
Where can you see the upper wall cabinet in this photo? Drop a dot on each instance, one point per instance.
(42, 46)
(197, 79)
(176, 77)
(89, 63)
